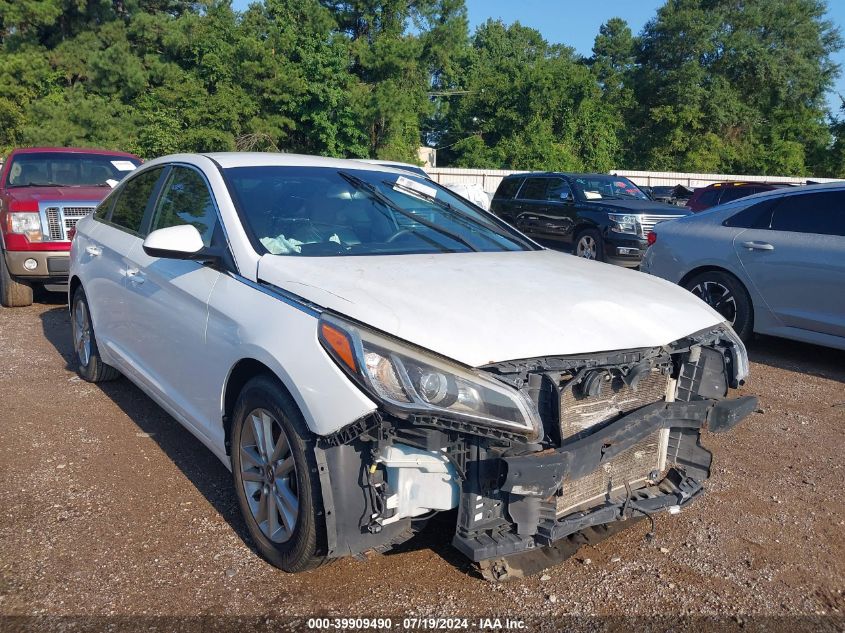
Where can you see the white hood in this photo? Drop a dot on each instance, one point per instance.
(480, 308)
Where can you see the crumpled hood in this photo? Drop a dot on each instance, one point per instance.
(480, 308)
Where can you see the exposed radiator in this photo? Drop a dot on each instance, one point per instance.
(633, 465)
(579, 413)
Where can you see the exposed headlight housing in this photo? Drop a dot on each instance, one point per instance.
(740, 355)
(409, 380)
(625, 223)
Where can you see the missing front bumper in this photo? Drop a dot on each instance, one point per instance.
(518, 510)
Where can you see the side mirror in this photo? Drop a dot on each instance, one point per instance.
(565, 196)
(176, 242)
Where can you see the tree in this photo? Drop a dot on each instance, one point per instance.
(737, 87)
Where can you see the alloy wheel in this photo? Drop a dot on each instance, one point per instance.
(268, 475)
(586, 247)
(717, 297)
(82, 333)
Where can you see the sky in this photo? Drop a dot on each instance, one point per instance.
(576, 22)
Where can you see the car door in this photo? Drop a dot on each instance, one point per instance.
(107, 247)
(796, 260)
(169, 300)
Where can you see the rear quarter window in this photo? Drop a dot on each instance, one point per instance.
(508, 188)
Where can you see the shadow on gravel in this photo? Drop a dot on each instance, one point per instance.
(803, 358)
(202, 467)
(195, 461)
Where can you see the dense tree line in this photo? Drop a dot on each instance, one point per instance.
(708, 85)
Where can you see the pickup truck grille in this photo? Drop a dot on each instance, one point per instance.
(648, 222)
(62, 219)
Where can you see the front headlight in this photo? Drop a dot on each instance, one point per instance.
(624, 223)
(26, 223)
(740, 354)
(411, 381)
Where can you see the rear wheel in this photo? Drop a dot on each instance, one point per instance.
(275, 476)
(726, 295)
(588, 245)
(91, 367)
(13, 293)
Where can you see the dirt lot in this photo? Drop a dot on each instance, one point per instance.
(110, 508)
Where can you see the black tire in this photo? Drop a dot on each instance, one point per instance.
(90, 365)
(727, 295)
(305, 548)
(596, 241)
(13, 293)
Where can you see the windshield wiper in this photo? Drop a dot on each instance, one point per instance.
(455, 213)
(363, 185)
(38, 184)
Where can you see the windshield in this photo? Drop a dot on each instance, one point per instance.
(318, 211)
(598, 187)
(68, 169)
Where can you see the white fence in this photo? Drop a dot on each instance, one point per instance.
(489, 179)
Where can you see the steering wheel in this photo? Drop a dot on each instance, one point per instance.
(400, 233)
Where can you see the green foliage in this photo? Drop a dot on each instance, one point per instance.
(709, 85)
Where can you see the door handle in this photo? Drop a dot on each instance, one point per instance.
(758, 246)
(135, 276)
(94, 251)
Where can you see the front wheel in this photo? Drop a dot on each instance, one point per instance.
(13, 293)
(275, 476)
(589, 245)
(726, 295)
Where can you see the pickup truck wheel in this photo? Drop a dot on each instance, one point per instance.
(90, 366)
(13, 293)
(588, 245)
(726, 295)
(276, 480)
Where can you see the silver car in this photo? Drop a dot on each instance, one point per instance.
(772, 263)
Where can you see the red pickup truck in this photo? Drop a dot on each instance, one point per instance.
(43, 193)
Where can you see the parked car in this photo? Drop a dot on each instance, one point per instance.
(772, 263)
(601, 217)
(724, 192)
(44, 191)
(362, 349)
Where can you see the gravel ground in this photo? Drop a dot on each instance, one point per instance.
(110, 508)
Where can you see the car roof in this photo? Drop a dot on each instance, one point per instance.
(785, 191)
(273, 159)
(570, 174)
(71, 150)
(746, 183)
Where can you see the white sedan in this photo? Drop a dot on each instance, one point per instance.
(363, 349)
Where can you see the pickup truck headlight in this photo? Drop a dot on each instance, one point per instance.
(625, 223)
(26, 223)
(411, 381)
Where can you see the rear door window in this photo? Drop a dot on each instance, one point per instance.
(534, 189)
(728, 195)
(710, 197)
(128, 211)
(821, 213)
(756, 216)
